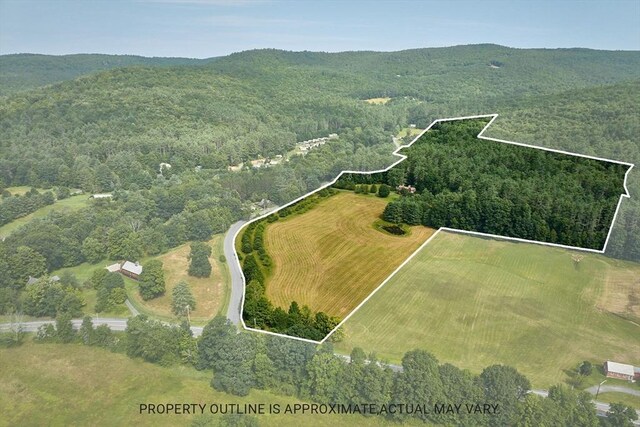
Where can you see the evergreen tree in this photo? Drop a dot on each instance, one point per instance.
(384, 191)
(199, 265)
(182, 300)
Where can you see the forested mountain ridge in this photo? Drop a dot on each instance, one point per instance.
(406, 72)
(25, 71)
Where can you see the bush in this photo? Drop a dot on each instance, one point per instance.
(384, 190)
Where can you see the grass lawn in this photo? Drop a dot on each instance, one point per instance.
(70, 204)
(474, 302)
(83, 273)
(21, 189)
(331, 257)
(615, 397)
(210, 293)
(61, 385)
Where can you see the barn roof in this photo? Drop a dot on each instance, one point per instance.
(619, 368)
(131, 267)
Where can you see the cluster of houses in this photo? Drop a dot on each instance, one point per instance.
(621, 371)
(302, 149)
(316, 142)
(126, 268)
(258, 163)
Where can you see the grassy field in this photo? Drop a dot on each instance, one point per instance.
(331, 257)
(210, 292)
(474, 302)
(377, 101)
(20, 190)
(62, 385)
(70, 204)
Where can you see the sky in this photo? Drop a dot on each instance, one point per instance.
(208, 28)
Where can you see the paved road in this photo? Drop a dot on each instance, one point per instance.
(601, 407)
(616, 388)
(132, 309)
(114, 323)
(237, 284)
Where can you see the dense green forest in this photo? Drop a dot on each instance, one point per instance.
(20, 72)
(472, 184)
(109, 131)
(602, 122)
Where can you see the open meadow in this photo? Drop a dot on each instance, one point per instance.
(70, 384)
(474, 302)
(210, 292)
(65, 205)
(331, 257)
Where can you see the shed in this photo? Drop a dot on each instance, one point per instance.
(113, 268)
(619, 370)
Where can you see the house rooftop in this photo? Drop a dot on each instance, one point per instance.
(131, 267)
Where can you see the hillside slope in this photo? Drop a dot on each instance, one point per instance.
(21, 72)
(126, 121)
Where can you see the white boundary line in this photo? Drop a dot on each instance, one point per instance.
(396, 152)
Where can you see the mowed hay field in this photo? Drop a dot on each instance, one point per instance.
(74, 385)
(331, 257)
(475, 302)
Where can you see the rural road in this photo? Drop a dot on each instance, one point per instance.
(601, 408)
(114, 323)
(237, 284)
(132, 309)
(613, 388)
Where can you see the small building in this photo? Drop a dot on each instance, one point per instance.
(101, 196)
(131, 270)
(619, 370)
(113, 268)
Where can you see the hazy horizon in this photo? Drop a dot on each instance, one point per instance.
(212, 28)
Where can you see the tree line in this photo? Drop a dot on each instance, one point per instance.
(241, 362)
(258, 311)
(13, 207)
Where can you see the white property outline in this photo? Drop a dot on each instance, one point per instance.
(454, 230)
